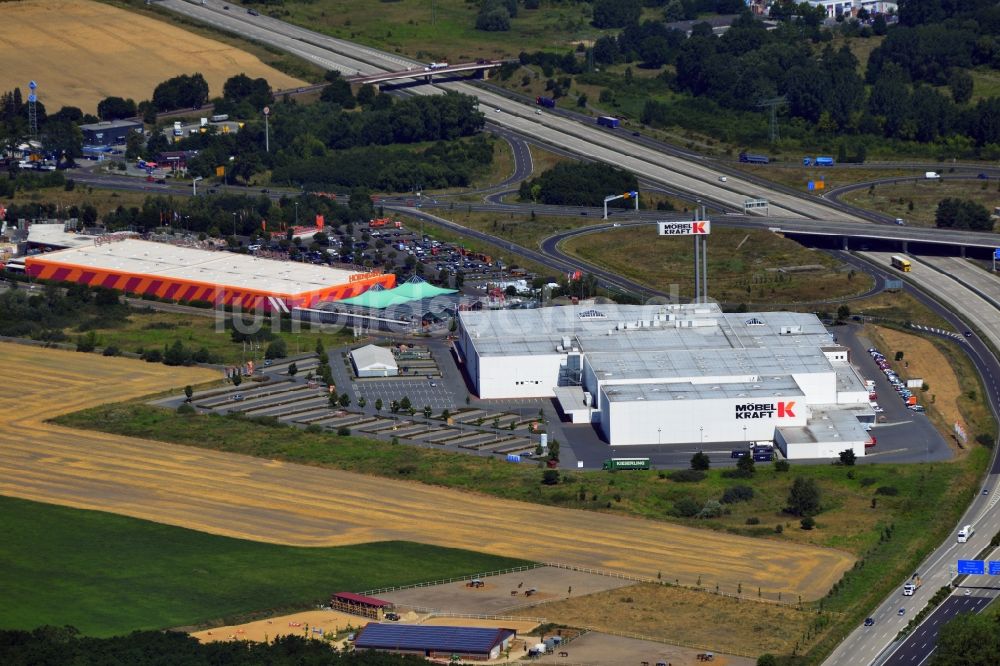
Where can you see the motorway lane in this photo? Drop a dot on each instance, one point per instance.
(985, 284)
(918, 646)
(979, 312)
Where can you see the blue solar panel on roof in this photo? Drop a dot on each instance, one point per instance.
(438, 639)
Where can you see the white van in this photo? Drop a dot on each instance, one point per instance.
(965, 533)
(932, 175)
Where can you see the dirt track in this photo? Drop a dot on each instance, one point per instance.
(276, 502)
(81, 51)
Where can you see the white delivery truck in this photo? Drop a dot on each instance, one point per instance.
(965, 533)
(932, 175)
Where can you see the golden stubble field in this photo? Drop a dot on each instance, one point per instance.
(80, 52)
(277, 502)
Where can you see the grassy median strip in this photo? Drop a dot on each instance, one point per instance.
(107, 574)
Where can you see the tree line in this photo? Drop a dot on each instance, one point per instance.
(65, 645)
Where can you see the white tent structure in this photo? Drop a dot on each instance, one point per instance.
(374, 361)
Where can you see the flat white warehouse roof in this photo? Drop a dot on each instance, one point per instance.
(227, 269)
(776, 387)
(629, 342)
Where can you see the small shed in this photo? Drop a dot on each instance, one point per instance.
(374, 361)
(359, 604)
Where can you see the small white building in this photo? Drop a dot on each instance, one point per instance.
(374, 361)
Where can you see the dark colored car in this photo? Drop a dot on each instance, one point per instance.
(967, 334)
(869, 622)
(253, 12)
(392, 617)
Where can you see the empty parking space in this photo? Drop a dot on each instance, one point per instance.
(421, 392)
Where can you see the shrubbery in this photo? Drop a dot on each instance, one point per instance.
(735, 494)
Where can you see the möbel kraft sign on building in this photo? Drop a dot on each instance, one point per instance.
(766, 410)
(690, 228)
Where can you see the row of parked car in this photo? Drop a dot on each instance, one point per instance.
(906, 394)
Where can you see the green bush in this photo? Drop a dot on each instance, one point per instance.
(782, 465)
(687, 475)
(314, 428)
(185, 408)
(735, 494)
(111, 350)
(686, 507)
(808, 523)
(343, 431)
(753, 520)
(889, 491)
(152, 356)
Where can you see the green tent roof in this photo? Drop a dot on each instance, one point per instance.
(416, 289)
(412, 290)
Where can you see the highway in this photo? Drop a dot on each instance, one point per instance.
(947, 289)
(986, 285)
(877, 644)
(613, 147)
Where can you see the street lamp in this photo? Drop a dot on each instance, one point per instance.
(701, 430)
(659, 441)
(194, 185)
(296, 213)
(234, 225)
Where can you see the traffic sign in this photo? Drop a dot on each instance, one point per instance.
(996, 254)
(974, 567)
(267, 110)
(994, 568)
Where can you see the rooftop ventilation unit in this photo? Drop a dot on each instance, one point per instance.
(754, 321)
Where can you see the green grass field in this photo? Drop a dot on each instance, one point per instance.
(442, 29)
(155, 330)
(106, 574)
(753, 267)
(916, 201)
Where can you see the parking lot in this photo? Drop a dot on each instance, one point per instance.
(903, 435)
(421, 392)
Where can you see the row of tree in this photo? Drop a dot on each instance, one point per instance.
(389, 168)
(65, 645)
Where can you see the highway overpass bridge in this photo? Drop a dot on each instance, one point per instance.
(426, 74)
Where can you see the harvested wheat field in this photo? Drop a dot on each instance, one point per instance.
(276, 502)
(80, 52)
(689, 617)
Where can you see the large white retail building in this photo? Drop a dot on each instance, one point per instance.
(664, 374)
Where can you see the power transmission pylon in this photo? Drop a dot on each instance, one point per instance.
(773, 104)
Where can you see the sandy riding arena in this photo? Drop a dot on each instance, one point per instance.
(277, 502)
(80, 52)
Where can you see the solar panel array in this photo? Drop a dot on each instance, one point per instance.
(436, 639)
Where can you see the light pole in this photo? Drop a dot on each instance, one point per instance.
(194, 185)
(659, 440)
(701, 430)
(296, 213)
(234, 225)
(267, 135)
